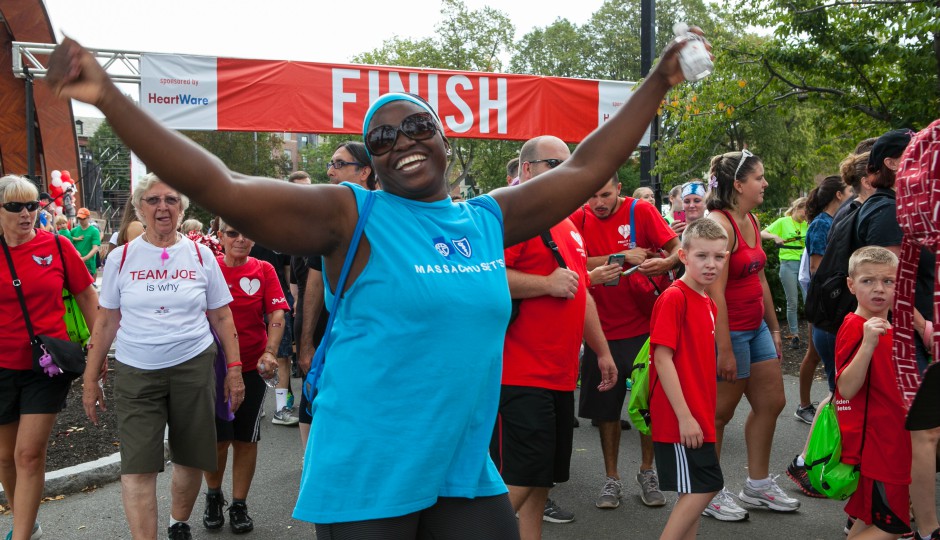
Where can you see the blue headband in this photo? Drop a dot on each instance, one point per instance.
(385, 99)
(693, 188)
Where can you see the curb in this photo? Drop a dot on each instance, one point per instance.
(82, 476)
(78, 477)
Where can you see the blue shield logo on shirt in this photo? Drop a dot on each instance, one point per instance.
(441, 246)
(462, 245)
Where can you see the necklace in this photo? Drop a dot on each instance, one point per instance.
(164, 255)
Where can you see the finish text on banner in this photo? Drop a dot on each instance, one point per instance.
(306, 97)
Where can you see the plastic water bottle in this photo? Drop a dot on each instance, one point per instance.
(694, 59)
(270, 381)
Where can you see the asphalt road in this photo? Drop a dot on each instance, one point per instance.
(98, 513)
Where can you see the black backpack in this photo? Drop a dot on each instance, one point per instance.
(829, 300)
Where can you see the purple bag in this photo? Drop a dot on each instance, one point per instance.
(223, 408)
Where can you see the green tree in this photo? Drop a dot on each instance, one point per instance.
(250, 153)
(867, 60)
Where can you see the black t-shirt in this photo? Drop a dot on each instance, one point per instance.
(300, 268)
(880, 228)
(278, 261)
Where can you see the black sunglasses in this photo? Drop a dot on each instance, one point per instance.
(339, 164)
(417, 127)
(551, 162)
(232, 234)
(17, 207)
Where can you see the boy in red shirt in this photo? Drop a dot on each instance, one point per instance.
(868, 400)
(683, 387)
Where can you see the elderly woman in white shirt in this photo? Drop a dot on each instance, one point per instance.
(160, 294)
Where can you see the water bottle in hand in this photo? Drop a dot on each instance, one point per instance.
(270, 381)
(694, 59)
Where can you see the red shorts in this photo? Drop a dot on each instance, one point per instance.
(886, 506)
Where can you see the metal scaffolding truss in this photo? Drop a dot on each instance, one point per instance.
(121, 66)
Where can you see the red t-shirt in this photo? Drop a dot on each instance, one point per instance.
(685, 322)
(744, 295)
(40, 272)
(255, 293)
(615, 306)
(542, 344)
(886, 455)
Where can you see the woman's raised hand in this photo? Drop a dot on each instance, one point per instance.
(75, 74)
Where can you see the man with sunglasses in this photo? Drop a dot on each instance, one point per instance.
(87, 240)
(606, 224)
(532, 441)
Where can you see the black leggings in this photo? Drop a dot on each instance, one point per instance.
(450, 518)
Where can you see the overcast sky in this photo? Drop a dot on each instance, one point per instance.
(307, 30)
(311, 30)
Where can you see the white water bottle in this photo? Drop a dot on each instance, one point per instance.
(694, 58)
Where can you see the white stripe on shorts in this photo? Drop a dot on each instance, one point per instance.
(683, 478)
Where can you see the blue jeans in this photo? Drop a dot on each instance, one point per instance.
(790, 278)
(826, 347)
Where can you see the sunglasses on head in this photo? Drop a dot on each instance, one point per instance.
(18, 207)
(744, 155)
(551, 162)
(417, 127)
(339, 164)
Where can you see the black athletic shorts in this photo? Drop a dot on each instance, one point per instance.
(925, 410)
(688, 470)
(246, 427)
(607, 406)
(450, 518)
(23, 391)
(532, 441)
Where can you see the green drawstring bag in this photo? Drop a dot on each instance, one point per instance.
(824, 467)
(74, 320)
(638, 407)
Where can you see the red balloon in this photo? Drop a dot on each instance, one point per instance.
(66, 177)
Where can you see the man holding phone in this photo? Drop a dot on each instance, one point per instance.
(617, 229)
(532, 439)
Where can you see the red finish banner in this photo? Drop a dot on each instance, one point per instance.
(193, 92)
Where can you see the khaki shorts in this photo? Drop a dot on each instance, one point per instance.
(183, 397)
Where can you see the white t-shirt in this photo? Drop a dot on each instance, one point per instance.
(163, 303)
(804, 276)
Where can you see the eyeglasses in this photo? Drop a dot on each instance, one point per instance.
(744, 155)
(339, 164)
(417, 127)
(169, 200)
(552, 163)
(17, 207)
(232, 234)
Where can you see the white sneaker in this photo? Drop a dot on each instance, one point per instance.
(723, 508)
(770, 496)
(284, 417)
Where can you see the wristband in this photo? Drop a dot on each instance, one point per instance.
(233, 364)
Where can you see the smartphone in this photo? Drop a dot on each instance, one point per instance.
(678, 215)
(618, 259)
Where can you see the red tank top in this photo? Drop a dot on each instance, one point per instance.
(744, 295)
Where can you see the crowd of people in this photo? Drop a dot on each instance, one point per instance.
(574, 287)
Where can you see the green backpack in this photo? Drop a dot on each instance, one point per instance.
(638, 407)
(824, 466)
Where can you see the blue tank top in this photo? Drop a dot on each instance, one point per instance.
(410, 387)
